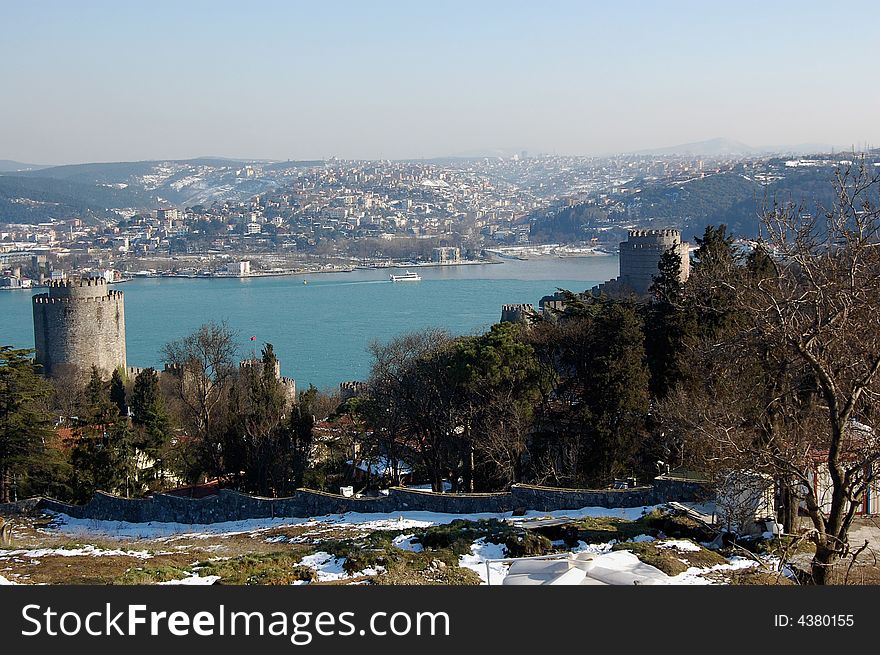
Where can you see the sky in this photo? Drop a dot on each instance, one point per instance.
(121, 81)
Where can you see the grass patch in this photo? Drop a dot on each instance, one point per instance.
(279, 568)
(671, 560)
(678, 526)
(783, 546)
(757, 577)
(427, 569)
(602, 529)
(142, 575)
(459, 535)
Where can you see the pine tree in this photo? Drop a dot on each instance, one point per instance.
(669, 325)
(103, 455)
(616, 393)
(148, 413)
(713, 279)
(117, 392)
(25, 427)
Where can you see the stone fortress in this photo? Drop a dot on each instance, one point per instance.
(639, 257)
(639, 260)
(78, 324)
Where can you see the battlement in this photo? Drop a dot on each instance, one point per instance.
(350, 389)
(47, 298)
(78, 282)
(87, 287)
(513, 313)
(656, 235)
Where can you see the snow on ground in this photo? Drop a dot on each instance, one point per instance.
(584, 547)
(407, 542)
(89, 551)
(5, 581)
(194, 580)
(694, 575)
(641, 538)
(364, 521)
(476, 561)
(325, 566)
(678, 544)
(330, 568)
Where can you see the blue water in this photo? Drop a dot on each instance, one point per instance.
(321, 330)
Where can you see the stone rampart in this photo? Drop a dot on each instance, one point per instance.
(228, 505)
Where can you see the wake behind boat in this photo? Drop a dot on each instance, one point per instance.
(406, 277)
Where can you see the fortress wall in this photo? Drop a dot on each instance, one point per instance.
(447, 503)
(514, 313)
(230, 505)
(547, 499)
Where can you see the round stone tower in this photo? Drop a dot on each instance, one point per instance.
(640, 254)
(79, 324)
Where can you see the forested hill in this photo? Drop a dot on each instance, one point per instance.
(92, 190)
(731, 198)
(37, 199)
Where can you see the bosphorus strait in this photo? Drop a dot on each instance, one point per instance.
(321, 330)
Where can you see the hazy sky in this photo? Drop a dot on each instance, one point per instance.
(102, 81)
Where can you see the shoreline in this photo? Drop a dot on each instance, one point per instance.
(500, 259)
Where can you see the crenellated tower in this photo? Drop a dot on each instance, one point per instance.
(78, 324)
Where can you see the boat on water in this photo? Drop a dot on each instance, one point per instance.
(406, 277)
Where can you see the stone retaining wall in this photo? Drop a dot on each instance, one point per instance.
(230, 505)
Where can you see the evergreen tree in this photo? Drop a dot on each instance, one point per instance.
(713, 280)
(103, 455)
(148, 413)
(616, 396)
(260, 403)
(117, 392)
(669, 325)
(25, 426)
(300, 431)
(760, 263)
(715, 252)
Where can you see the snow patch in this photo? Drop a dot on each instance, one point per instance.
(329, 568)
(679, 544)
(366, 521)
(87, 551)
(194, 580)
(476, 561)
(407, 542)
(642, 538)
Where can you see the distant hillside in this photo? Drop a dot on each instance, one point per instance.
(33, 200)
(711, 148)
(730, 148)
(728, 198)
(10, 166)
(39, 195)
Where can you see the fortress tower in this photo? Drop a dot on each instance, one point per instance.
(79, 324)
(639, 259)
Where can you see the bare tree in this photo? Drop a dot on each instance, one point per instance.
(202, 366)
(792, 393)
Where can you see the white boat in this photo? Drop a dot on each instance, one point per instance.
(406, 277)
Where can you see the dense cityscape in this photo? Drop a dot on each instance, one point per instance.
(208, 218)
